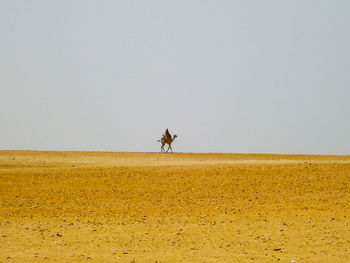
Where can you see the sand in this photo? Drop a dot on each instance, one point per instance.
(152, 207)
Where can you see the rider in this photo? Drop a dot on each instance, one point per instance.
(167, 135)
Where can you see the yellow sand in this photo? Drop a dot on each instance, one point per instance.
(151, 207)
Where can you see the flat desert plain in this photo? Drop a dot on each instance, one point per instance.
(152, 207)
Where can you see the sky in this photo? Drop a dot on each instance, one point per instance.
(225, 76)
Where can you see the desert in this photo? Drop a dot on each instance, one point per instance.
(181, 207)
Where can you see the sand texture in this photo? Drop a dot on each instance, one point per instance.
(152, 207)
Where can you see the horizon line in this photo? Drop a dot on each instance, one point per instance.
(231, 153)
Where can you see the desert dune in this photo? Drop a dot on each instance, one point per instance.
(152, 207)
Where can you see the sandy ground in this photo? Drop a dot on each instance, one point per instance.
(151, 207)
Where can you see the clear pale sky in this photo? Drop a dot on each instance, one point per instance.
(225, 76)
